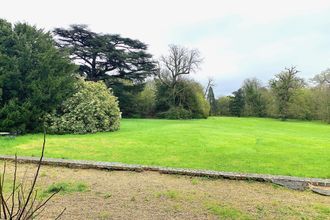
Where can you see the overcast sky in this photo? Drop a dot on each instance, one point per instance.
(238, 39)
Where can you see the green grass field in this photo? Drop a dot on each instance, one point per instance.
(249, 145)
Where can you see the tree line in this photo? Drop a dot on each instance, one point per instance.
(287, 96)
(74, 80)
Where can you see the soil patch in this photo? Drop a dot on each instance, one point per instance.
(151, 195)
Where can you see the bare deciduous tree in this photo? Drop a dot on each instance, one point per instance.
(323, 78)
(179, 62)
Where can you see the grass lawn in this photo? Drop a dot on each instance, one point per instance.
(250, 145)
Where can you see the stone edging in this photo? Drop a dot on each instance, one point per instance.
(297, 183)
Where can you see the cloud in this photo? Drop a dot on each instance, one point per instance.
(238, 38)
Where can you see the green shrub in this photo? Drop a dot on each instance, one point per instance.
(93, 108)
(200, 107)
(185, 100)
(176, 113)
(223, 106)
(321, 103)
(301, 106)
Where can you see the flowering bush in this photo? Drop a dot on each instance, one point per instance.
(93, 108)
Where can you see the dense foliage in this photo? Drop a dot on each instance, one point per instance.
(254, 102)
(187, 102)
(126, 91)
(91, 109)
(146, 100)
(321, 96)
(287, 96)
(223, 106)
(236, 103)
(35, 77)
(284, 86)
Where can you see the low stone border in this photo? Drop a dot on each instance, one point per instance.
(296, 183)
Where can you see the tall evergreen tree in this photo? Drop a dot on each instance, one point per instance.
(35, 77)
(236, 104)
(212, 101)
(106, 56)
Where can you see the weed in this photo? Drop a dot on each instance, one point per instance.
(322, 209)
(194, 181)
(43, 174)
(107, 196)
(169, 194)
(226, 212)
(177, 207)
(66, 187)
(104, 215)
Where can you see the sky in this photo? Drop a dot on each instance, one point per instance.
(238, 39)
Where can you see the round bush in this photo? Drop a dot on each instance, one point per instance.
(93, 108)
(188, 101)
(176, 113)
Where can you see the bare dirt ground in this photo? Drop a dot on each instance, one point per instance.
(150, 195)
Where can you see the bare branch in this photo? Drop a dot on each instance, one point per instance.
(180, 61)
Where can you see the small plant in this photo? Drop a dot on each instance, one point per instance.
(194, 181)
(104, 215)
(56, 188)
(226, 212)
(169, 194)
(65, 187)
(323, 210)
(177, 207)
(107, 196)
(22, 203)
